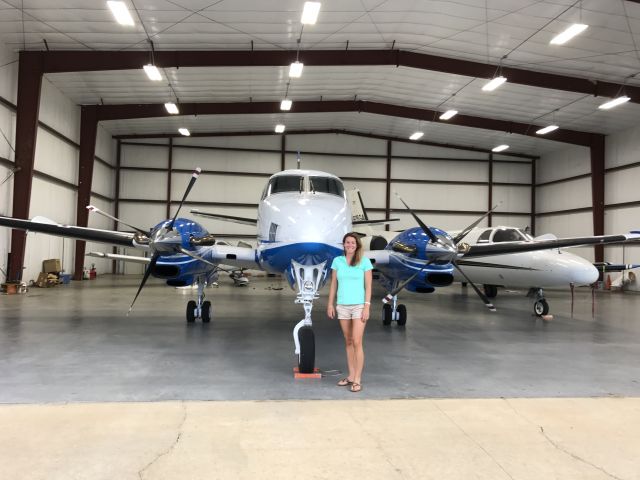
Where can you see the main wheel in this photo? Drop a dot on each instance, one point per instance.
(307, 356)
(402, 315)
(191, 311)
(491, 291)
(541, 307)
(206, 311)
(386, 314)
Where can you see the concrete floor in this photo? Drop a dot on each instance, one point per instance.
(64, 349)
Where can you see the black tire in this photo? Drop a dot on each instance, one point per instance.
(541, 307)
(206, 312)
(191, 311)
(386, 314)
(491, 291)
(402, 315)
(307, 357)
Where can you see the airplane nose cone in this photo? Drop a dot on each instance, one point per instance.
(587, 275)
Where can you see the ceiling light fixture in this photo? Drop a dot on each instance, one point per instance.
(295, 70)
(286, 104)
(152, 72)
(310, 13)
(547, 129)
(494, 83)
(568, 34)
(172, 108)
(416, 135)
(280, 128)
(500, 148)
(121, 13)
(614, 103)
(184, 131)
(448, 114)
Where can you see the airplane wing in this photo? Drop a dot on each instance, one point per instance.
(382, 221)
(44, 225)
(115, 256)
(226, 218)
(503, 248)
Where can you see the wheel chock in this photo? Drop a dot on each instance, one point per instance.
(547, 318)
(297, 375)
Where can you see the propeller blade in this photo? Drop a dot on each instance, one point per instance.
(197, 257)
(147, 272)
(466, 231)
(396, 290)
(93, 209)
(194, 177)
(482, 296)
(425, 229)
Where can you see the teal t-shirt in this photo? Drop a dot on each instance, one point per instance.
(350, 280)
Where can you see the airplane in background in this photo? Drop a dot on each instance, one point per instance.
(302, 217)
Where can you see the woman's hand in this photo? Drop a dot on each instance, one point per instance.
(331, 311)
(365, 312)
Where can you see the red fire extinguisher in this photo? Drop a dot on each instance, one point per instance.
(92, 272)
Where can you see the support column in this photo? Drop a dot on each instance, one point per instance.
(169, 169)
(490, 199)
(116, 207)
(533, 197)
(29, 83)
(283, 151)
(387, 207)
(88, 132)
(597, 190)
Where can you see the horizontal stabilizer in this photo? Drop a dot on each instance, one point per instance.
(226, 218)
(375, 222)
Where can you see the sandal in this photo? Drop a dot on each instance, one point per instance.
(344, 382)
(355, 387)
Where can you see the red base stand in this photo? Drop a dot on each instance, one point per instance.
(316, 373)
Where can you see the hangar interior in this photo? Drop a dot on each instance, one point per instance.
(374, 73)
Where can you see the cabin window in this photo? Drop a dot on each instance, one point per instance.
(286, 183)
(326, 185)
(507, 235)
(484, 238)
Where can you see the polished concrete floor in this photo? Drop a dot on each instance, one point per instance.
(74, 343)
(89, 393)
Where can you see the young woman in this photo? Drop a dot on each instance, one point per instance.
(351, 278)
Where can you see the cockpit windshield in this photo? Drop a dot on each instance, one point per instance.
(508, 235)
(285, 183)
(326, 185)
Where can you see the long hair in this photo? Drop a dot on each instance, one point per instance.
(357, 256)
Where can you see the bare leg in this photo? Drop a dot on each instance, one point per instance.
(347, 330)
(357, 334)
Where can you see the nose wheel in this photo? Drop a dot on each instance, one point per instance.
(541, 307)
(394, 312)
(199, 309)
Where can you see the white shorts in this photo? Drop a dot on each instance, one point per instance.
(350, 312)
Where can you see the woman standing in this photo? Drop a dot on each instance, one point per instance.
(351, 278)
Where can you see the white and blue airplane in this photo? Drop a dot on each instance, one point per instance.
(302, 218)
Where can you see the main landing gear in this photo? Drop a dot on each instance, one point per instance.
(540, 305)
(309, 278)
(392, 312)
(199, 309)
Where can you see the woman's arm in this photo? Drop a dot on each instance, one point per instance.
(331, 311)
(368, 276)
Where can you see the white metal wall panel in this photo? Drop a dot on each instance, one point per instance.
(6, 202)
(621, 148)
(154, 141)
(369, 167)
(103, 180)
(564, 163)
(570, 225)
(445, 222)
(144, 185)
(105, 146)
(622, 186)
(144, 156)
(512, 173)
(622, 220)
(426, 151)
(58, 112)
(373, 194)
(225, 160)
(98, 221)
(335, 143)
(440, 170)
(440, 197)
(514, 199)
(564, 196)
(7, 126)
(8, 74)
(218, 188)
(140, 214)
(218, 227)
(258, 142)
(519, 221)
(56, 157)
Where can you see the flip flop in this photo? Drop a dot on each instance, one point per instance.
(344, 382)
(355, 387)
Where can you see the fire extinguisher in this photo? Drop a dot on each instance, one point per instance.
(92, 272)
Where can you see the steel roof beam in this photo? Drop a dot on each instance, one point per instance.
(85, 61)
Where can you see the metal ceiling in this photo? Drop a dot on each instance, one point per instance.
(478, 30)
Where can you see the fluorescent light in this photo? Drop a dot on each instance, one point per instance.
(448, 114)
(285, 104)
(493, 84)
(184, 131)
(295, 70)
(568, 34)
(416, 135)
(310, 13)
(500, 148)
(280, 128)
(121, 13)
(614, 103)
(548, 129)
(171, 108)
(152, 72)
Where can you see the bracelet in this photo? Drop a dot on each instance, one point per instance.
(367, 303)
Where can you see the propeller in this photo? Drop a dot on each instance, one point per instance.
(147, 272)
(93, 209)
(466, 231)
(396, 290)
(426, 229)
(482, 296)
(194, 177)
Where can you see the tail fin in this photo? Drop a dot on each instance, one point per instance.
(358, 212)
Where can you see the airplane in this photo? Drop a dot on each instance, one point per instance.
(302, 217)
